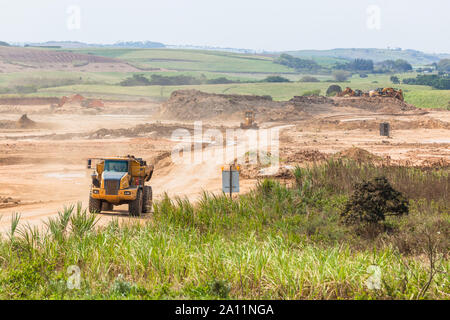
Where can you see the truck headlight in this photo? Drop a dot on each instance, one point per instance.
(95, 191)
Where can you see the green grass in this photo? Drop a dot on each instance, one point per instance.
(429, 98)
(273, 243)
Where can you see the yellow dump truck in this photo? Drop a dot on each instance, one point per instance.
(120, 180)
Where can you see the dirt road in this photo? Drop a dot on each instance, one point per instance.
(44, 167)
(45, 185)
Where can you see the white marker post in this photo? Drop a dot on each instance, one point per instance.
(230, 181)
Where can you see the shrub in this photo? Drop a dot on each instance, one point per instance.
(395, 80)
(220, 80)
(341, 75)
(135, 80)
(276, 79)
(309, 79)
(361, 64)
(333, 90)
(440, 82)
(297, 63)
(398, 65)
(444, 65)
(372, 201)
(173, 81)
(219, 288)
(160, 80)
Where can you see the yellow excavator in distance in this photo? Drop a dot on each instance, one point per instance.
(387, 92)
(249, 121)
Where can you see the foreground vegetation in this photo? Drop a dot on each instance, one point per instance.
(275, 242)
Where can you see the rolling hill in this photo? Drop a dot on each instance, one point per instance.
(412, 56)
(14, 59)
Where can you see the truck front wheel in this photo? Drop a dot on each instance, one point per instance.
(147, 199)
(95, 205)
(135, 206)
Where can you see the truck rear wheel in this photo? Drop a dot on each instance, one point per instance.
(135, 206)
(95, 205)
(147, 199)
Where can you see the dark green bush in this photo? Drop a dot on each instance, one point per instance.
(297, 63)
(372, 201)
(333, 90)
(309, 79)
(276, 79)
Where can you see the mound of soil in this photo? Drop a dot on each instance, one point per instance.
(288, 160)
(7, 202)
(298, 156)
(299, 100)
(159, 130)
(193, 104)
(377, 104)
(357, 154)
(25, 123)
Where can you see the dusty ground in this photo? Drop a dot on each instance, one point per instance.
(42, 168)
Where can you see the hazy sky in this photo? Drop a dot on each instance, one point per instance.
(253, 24)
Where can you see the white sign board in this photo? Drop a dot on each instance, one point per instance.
(227, 182)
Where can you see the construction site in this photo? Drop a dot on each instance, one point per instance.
(235, 158)
(45, 142)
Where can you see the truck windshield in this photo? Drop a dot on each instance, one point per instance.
(116, 166)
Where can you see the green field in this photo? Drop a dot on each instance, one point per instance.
(420, 96)
(193, 60)
(246, 68)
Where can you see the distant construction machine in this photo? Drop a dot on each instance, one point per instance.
(387, 92)
(380, 92)
(249, 121)
(352, 93)
(121, 180)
